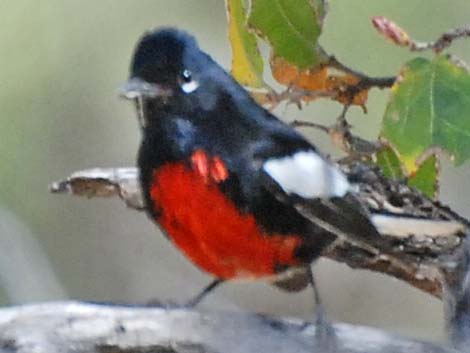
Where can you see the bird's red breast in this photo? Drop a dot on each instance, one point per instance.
(208, 227)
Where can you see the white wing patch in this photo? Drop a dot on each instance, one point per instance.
(308, 175)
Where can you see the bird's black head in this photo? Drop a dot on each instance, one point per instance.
(170, 73)
(161, 56)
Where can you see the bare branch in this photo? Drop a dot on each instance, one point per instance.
(303, 123)
(412, 253)
(74, 327)
(393, 32)
(342, 137)
(365, 81)
(443, 42)
(103, 182)
(457, 300)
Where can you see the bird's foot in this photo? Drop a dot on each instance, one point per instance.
(166, 304)
(325, 335)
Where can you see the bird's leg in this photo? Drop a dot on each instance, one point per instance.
(201, 295)
(190, 303)
(319, 310)
(324, 334)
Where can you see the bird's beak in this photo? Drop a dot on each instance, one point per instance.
(138, 88)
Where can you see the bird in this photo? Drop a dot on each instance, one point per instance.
(223, 177)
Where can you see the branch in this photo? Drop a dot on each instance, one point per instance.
(74, 327)
(443, 42)
(393, 32)
(102, 182)
(342, 137)
(414, 252)
(365, 81)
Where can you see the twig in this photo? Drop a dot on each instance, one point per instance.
(356, 147)
(103, 182)
(443, 42)
(393, 32)
(365, 81)
(303, 123)
(341, 121)
(290, 95)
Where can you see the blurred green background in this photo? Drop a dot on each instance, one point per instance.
(61, 65)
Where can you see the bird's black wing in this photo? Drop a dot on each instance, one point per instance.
(318, 190)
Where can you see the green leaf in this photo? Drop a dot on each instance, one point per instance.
(389, 163)
(247, 64)
(426, 178)
(429, 107)
(292, 27)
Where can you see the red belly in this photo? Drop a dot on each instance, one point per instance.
(209, 229)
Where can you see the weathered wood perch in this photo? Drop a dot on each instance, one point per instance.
(74, 327)
(423, 255)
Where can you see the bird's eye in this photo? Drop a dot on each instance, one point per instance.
(186, 76)
(188, 84)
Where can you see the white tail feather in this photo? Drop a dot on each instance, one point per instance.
(406, 226)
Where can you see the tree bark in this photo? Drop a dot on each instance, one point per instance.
(75, 327)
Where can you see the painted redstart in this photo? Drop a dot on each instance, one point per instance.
(220, 174)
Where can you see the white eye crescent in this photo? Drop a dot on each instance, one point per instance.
(188, 84)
